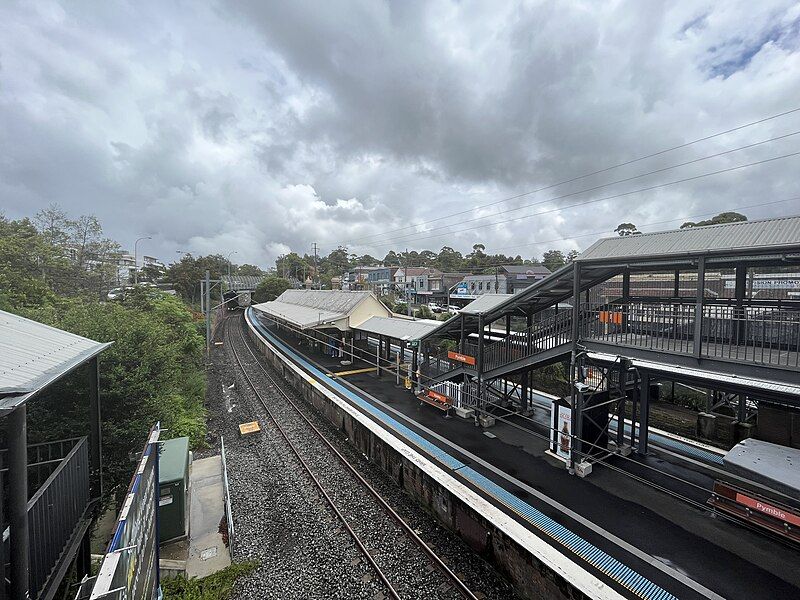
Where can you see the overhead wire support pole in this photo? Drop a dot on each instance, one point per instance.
(208, 311)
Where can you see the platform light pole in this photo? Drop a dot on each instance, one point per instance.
(229, 261)
(136, 258)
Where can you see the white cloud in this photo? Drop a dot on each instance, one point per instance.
(264, 127)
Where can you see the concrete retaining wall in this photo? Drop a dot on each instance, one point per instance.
(530, 577)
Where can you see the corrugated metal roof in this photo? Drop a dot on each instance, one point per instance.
(300, 316)
(401, 329)
(777, 235)
(239, 283)
(485, 303)
(34, 355)
(340, 301)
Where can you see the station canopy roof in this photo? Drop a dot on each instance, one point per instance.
(779, 235)
(312, 308)
(770, 241)
(34, 355)
(397, 328)
(484, 303)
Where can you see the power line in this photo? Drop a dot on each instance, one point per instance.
(649, 224)
(612, 197)
(600, 186)
(604, 170)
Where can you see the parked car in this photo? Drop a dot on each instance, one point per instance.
(435, 307)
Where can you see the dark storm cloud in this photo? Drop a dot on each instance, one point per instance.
(264, 127)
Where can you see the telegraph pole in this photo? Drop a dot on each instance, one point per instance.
(408, 290)
(316, 270)
(208, 312)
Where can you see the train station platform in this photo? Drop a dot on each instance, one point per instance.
(647, 513)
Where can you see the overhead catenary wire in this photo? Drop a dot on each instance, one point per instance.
(602, 199)
(500, 263)
(610, 183)
(597, 172)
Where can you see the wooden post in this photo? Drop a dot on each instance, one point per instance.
(95, 429)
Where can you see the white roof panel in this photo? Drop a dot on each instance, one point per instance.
(400, 329)
(33, 355)
(300, 316)
(340, 301)
(779, 235)
(485, 303)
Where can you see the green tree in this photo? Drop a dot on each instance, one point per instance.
(625, 229)
(554, 259)
(250, 270)
(449, 260)
(270, 288)
(724, 217)
(152, 372)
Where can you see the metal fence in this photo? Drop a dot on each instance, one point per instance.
(227, 492)
(56, 509)
(545, 334)
(759, 335)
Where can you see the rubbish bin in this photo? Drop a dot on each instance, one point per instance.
(173, 483)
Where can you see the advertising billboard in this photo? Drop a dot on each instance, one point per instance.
(129, 568)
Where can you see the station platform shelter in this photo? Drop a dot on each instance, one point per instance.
(692, 306)
(49, 490)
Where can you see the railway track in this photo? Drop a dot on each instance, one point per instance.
(315, 432)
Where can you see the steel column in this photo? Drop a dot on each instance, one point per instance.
(634, 406)
(742, 408)
(626, 295)
(95, 429)
(645, 410)
(698, 306)
(479, 365)
(739, 293)
(18, 501)
(576, 404)
(3, 594)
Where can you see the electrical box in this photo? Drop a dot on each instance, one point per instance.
(173, 486)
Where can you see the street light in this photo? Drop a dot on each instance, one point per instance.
(229, 261)
(136, 259)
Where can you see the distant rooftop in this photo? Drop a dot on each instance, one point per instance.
(778, 235)
(526, 269)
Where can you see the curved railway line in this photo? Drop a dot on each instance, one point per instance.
(277, 391)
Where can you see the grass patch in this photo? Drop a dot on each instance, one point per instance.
(213, 587)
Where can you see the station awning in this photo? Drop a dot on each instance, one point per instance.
(399, 329)
(303, 317)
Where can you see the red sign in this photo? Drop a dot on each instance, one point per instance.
(768, 509)
(437, 396)
(464, 358)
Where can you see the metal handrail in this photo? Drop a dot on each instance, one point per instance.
(227, 492)
(54, 512)
(545, 334)
(752, 334)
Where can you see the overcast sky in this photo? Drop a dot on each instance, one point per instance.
(263, 127)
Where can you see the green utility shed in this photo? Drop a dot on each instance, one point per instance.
(173, 485)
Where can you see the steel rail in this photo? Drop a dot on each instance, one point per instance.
(443, 568)
(393, 593)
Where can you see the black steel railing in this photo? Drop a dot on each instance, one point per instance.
(759, 335)
(58, 503)
(545, 334)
